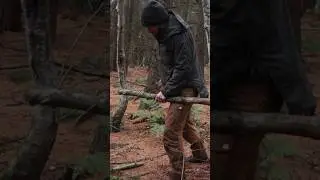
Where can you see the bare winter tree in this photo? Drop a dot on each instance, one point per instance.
(121, 66)
(206, 24)
(36, 149)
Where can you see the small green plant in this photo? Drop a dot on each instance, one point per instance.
(157, 117)
(113, 178)
(141, 114)
(157, 129)
(90, 165)
(141, 80)
(311, 45)
(148, 104)
(272, 149)
(195, 114)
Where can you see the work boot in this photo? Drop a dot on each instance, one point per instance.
(175, 175)
(199, 154)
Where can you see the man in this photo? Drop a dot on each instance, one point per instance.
(180, 76)
(256, 67)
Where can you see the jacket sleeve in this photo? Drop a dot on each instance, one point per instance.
(181, 66)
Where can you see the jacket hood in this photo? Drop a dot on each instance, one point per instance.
(154, 13)
(175, 25)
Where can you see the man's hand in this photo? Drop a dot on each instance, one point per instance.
(160, 97)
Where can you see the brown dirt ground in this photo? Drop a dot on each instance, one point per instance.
(71, 143)
(135, 143)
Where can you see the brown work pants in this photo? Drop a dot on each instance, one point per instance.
(178, 125)
(235, 155)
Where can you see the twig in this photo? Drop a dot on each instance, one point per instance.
(182, 171)
(86, 115)
(140, 120)
(76, 41)
(65, 66)
(139, 160)
(127, 166)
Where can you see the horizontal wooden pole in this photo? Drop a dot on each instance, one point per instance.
(184, 100)
(231, 122)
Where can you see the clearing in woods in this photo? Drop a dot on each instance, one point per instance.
(142, 142)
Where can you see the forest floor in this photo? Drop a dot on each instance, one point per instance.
(72, 144)
(142, 142)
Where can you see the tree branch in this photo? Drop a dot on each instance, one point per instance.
(184, 100)
(230, 122)
(58, 98)
(64, 66)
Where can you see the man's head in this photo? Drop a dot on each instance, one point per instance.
(153, 15)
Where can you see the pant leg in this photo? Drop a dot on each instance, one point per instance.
(173, 136)
(235, 155)
(190, 133)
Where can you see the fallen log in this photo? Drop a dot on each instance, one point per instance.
(231, 122)
(183, 100)
(62, 99)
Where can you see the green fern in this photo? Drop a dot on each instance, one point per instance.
(195, 114)
(148, 104)
(157, 117)
(90, 165)
(141, 114)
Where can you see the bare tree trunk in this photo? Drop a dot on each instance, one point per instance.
(129, 31)
(201, 47)
(205, 10)
(154, 73)
(10, 15)
(121, 62)
(35, 151)
(113, 56)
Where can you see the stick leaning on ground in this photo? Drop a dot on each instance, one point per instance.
(183, 100)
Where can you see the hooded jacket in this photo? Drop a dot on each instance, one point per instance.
(179, 64)
(255, 40)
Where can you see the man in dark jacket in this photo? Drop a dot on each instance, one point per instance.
(256, 67)
(180, 76)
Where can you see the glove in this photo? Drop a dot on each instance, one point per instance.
(204, 92)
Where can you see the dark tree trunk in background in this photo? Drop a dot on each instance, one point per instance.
(54, 6)
(10, 15)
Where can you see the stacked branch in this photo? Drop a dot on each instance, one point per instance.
(62, 99)
(233, 122)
